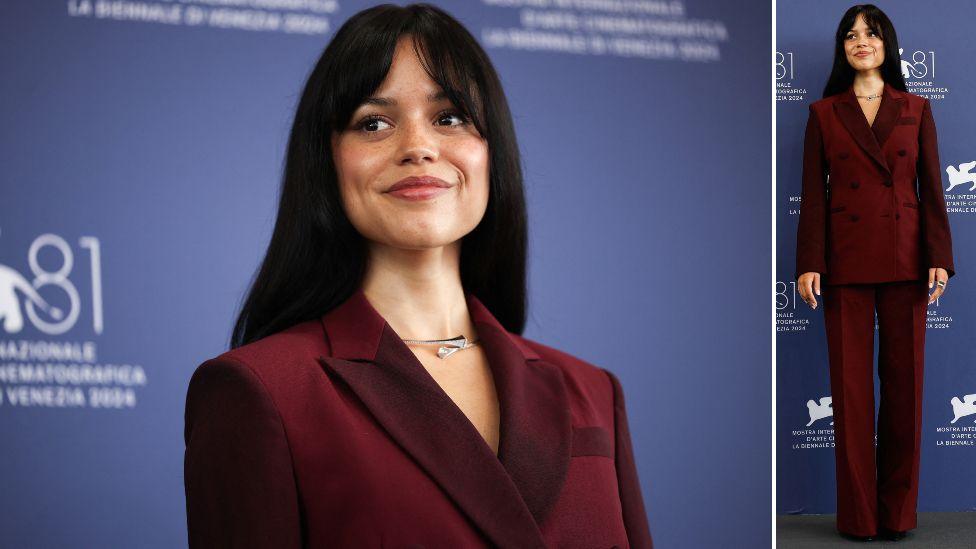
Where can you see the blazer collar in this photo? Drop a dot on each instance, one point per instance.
(507, 496)
(872, 137)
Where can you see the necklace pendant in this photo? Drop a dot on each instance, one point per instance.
(445, 352)
(456, 345)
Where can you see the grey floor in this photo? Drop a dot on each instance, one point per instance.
(942, 530)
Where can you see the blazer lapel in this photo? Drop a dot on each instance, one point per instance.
(888, 113)
(505, 496)
(536, 431)
(852, 117)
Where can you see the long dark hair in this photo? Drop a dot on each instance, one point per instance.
(316, 259)
(842, 74)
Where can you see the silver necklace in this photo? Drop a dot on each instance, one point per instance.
(452, 344)
(869, 97)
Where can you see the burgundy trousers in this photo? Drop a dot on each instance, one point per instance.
(876, 487)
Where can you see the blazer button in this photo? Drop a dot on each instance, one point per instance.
(843, 155)
(887, 183)
(855, 184)
(897, 216)
(901, 152)
(854, 217)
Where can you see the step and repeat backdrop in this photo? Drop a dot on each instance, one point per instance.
(938, 66)
(141, 146)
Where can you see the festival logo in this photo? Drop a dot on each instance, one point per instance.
(960, 195)
(962, 175)
(963, 407)
(821, 410)
(51, 371)
(918, 69)
(10, 282)
(812, 436)
(788, 319)
(13, 283)
(959, 431)
(786, 90)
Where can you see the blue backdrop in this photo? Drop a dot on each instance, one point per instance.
(937, 65)
(141, 145)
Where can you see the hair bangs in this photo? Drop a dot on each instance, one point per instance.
(442, 51)
(442, 58)
(871, 19)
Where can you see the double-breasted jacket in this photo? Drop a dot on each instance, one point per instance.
(872, 206)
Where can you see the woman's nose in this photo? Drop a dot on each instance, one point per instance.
(417, 143)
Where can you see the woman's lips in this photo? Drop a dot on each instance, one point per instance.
(419, 192)
(419, 187)
(862, 54)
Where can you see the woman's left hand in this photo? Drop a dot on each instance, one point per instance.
(937, 274)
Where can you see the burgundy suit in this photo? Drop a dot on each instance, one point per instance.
(872, 222)
(332, 434)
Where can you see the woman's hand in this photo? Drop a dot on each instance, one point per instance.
(937, 274)
(809, 284)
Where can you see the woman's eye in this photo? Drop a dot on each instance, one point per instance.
(458, 117)
(371, 124)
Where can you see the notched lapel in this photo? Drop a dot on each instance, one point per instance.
(535, 432)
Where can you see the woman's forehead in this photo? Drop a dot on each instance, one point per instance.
(396, 98)
(400, 86)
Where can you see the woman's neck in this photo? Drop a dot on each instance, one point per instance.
(868, 82)
(419, 292)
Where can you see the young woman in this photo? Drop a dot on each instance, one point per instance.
(874, 236)
(378, 392)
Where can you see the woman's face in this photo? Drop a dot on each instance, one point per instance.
(865, 49)
(405, 130)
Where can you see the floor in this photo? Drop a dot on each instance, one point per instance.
(942, 530)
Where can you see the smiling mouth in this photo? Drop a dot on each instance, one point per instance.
(418, 181)
(418, 192)
(415, 188)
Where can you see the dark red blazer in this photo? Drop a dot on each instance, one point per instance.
(332, 434)
(872, 208)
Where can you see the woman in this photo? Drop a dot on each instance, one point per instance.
(875, 240)
(378, 392)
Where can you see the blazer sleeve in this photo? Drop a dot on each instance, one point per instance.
(935, 221)
(631, 500)
(811, 233)
(237, 469)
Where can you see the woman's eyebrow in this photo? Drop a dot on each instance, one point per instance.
(388, 102)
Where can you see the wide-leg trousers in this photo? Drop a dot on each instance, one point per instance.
(876, 487)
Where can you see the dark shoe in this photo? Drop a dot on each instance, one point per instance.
(852, 537)
(893, 535)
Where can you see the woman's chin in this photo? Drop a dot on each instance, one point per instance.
(421, 241)
(865, 65)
